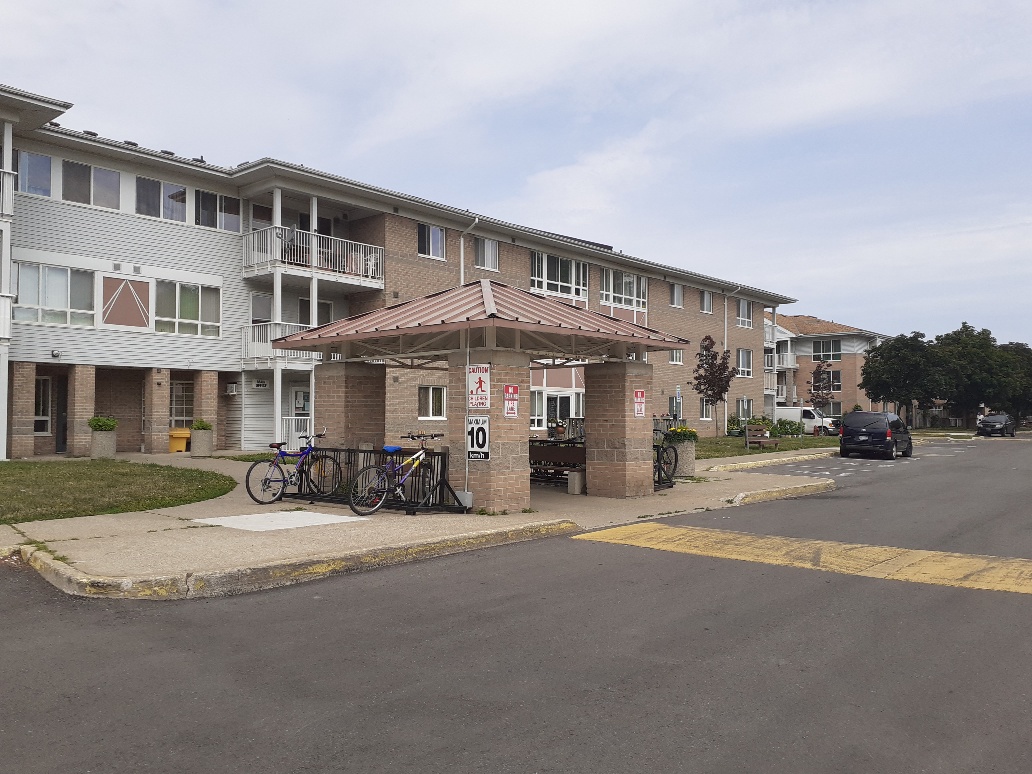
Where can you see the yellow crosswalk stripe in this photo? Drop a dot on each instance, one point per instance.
(968, 571)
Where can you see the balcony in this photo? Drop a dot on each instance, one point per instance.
(6, 193)
(768, 334)
(258, 352)
(5, 316)
(770, 383)
(786, 394)
(304, 253)
(786, 360)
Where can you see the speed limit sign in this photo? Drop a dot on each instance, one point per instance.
(478, 438)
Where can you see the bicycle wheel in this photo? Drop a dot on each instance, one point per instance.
(369, 490)
(324, 474)
(265, 482)
(668, 462)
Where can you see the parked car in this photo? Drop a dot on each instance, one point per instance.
(1004, 424)
(810, 417)
(875, 432)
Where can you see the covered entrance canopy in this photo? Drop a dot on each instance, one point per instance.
(494, 324)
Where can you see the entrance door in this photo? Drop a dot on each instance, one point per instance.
(60, 414)
(299, 422)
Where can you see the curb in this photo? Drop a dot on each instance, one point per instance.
(775, 461)
(223, 583)
(784, 492)
(6, 551)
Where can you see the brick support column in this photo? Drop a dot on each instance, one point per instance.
(82, 381)
(23, 409)
(501, 483)
(618, 444)
(156, 396)
(351, 402)
(206, 396)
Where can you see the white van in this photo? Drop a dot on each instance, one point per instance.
(810, 417)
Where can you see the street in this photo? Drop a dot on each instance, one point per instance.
(566, 655)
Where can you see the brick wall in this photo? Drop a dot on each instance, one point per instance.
(82, 384)
(119, 394)
(618, 444)
(156, 391)
(22, 389)
(351, 403)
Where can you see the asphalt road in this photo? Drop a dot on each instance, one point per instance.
(565, 655)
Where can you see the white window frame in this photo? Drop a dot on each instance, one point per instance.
(430, 230)
(177, 415)
(39, 310)
(537, 409)
(832, 406)
(706, 301)
(835, 384)
(546, 274)
(45, 385)
(705, 410)
(322, 303)
(178, 321)
(743, 369)
(167, 189)
(833, 349)
(677, 357)
(677, 295)
(743, 408)
(745, 313)
(92, 196)
(431, 388)
(485, 253)
(624, 289)
(22, 181)
(220, 211)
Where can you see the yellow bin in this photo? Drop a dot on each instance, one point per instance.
(177, 439)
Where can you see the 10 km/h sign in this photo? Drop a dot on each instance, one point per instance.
(478, 438)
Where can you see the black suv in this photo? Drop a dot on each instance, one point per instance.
(1004, 424)
(879, 432)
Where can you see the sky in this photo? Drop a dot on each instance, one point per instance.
(871, 159)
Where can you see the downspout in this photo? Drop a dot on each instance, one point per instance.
(726, 347)
(462, 251)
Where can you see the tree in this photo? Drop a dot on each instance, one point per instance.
(819, 391)
(1019, 399)
(903, 370)
(976, 370)
(713, 374)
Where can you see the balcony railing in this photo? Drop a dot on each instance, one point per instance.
(770, 383)
(257, 342)
(786, 393)
(279, 246)
(5, 316)
(768, 334)
(768, 362)
(786, 360)
(6, 193)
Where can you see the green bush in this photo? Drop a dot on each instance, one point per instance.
(102, 423)
(734, 422)
(200, 424)
(786, 427)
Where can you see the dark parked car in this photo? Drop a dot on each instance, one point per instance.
(874, 432)
(1004, 424)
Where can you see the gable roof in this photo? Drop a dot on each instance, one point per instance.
(807, 325)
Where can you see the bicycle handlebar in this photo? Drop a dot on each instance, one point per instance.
(418, 436)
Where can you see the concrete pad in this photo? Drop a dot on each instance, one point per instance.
(10, 539)
(105, 526)
(266, 522)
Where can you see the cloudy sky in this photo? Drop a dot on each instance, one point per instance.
(871, 159)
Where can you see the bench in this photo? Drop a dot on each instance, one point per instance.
(755, 438)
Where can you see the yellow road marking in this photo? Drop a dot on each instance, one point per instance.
(968, 571)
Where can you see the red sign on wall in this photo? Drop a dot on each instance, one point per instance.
(511, 395)
(639, 403)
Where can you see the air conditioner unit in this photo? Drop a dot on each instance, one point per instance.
(231, 388)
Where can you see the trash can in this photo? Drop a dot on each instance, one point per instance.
(177, 439)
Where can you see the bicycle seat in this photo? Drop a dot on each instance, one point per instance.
(392, 449)
(276, 445)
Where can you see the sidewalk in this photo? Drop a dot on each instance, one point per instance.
(168, 554)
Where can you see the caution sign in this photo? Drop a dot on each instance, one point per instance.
(478, 386)
(478, 438)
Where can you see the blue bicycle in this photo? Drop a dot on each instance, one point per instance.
(267, 480)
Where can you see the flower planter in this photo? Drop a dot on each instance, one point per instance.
(202, 443)
(103, 444)
(685, 458)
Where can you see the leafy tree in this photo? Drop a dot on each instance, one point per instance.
(1019, 400)
(713, 374)
(819, 390)
(902, 370)
(976, 370)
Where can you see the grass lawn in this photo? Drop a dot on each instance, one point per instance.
(707, 448)
(30, 491)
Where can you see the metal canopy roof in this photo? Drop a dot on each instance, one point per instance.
(481, 314)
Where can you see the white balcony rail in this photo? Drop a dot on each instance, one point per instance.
(768, 362)
(6, 193)
(770, 382)
(787, 360)
(257, 342)
(293, 428)
(768, 334)
(279, 246)
(5, 316)
(781, 392)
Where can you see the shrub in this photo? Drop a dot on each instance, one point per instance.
(679, 434)
(102, 423)
(786, 427)
(200, 424)
(734, 422)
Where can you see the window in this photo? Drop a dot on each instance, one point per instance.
(431, 402)
(706, 301)
(304, 312)
(217, 211)
(672, 406)
(743, 408)
(41, 420)
(836, 380)
(90, 185)
(705, 409)
(553, 274)
(33, 172)
(180, 307)
(745, 362)
(827, 349)
(160, 200)
(261, 308)
(431, 241)
(677, 356)
(181, 404)
(744, 313)
(537, 409)
(623, 289)
(676, 295)
(52, 294)
(486, 256)
(834, 409)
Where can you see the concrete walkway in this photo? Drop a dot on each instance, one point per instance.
(167, 554)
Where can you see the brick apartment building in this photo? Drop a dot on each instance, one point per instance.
(148, 286)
